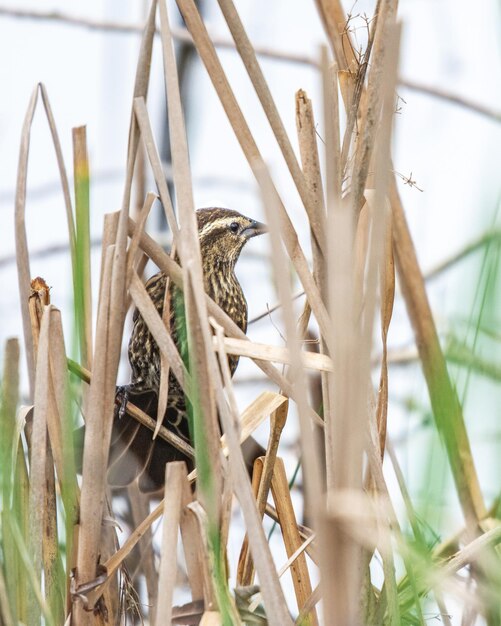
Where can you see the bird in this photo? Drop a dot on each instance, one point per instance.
(222, 234)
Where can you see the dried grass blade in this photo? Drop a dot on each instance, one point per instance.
(387, 288)
(61, 437)
(143, 121)
(22, 254)
(141, 222)
(141, 85)
(175, 476)
(253, 415)
(62, 170)
(310, 162)
(265, 352)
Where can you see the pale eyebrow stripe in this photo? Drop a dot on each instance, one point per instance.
(210, 226)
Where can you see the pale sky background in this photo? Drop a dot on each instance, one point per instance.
(453, 154)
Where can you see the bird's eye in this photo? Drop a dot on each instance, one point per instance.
(234, 227)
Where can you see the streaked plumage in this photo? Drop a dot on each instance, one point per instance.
(222, 235)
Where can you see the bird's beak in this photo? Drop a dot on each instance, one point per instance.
(255, 229)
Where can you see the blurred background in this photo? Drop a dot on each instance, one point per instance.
(446, 153)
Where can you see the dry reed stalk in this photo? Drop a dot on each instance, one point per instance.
(309, 451)
(310, 161)
(146, 133)
(276, 607)
(292, 539)
(52, 565)
(276, 354)
(261, 481)
(141, 84)
(245, 570)
(133, 249)
(192, 548)
(163, 389)
(38, 486)
(97, 439)
(175, 476)
(344, 428)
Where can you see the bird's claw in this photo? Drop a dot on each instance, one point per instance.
(122, 393)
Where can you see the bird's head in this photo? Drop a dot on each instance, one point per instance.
(223, 233)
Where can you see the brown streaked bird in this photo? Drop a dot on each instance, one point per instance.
(222, 235)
